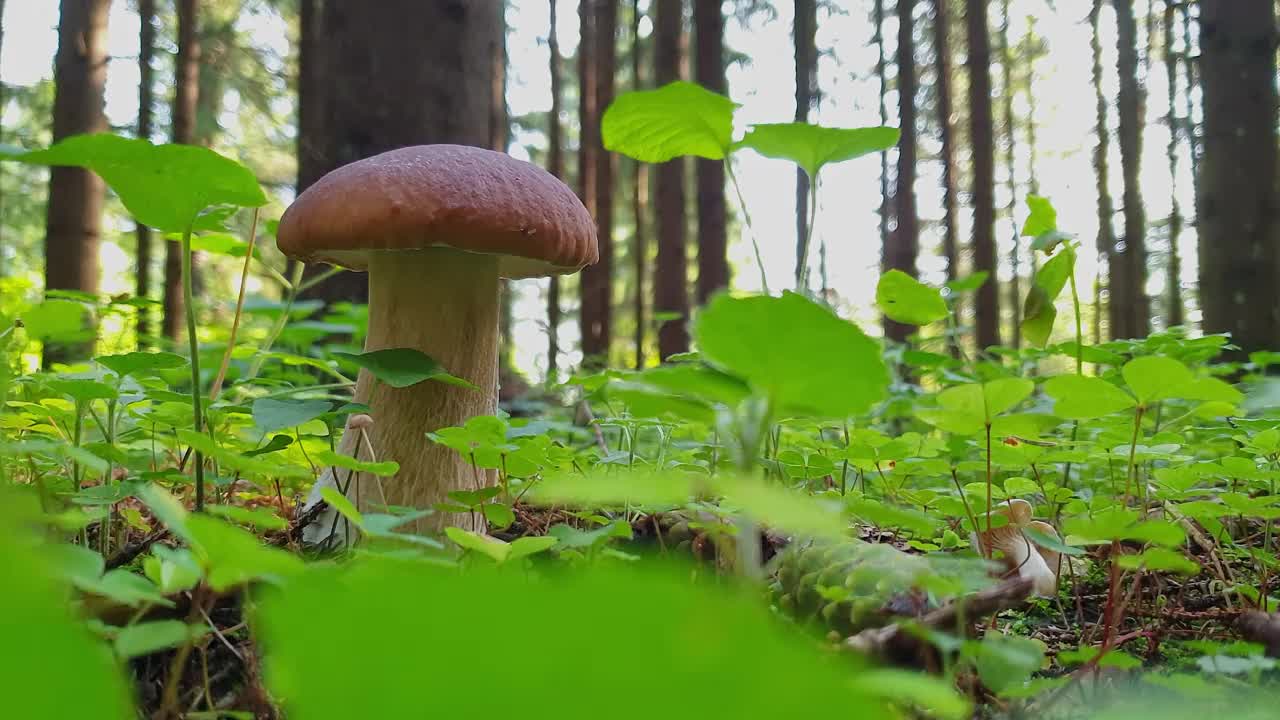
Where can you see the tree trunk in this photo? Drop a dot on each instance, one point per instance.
(555, 165)
(946, 139)
(73, 222)
(671, 285)
(411, 73)
(1133, 261)
(803, 34)
(982, 140)
(877, 19)
(1173, 268)
(713, 240)
(1010, 159)
(597, 280)
(146, 83)
(639, 204)
(186, 95)
(1106, 240)
(1237, 208)
(904, 243)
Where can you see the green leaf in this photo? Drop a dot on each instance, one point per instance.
(275, 444)
(340, 503)
(491, 547)
(140, 363)
(969, 283)
(1004, 661)
(1154, 378)
(1003, 394)
(701, 650)
(328, 458)
(233, 556)
(794, 351)
(907, 300)
(403, 367)
(164, 186)
(82, 390)
(526, 546)
(261, 518)
(232, 460)
(146, 638)
(781, 508)
(270, 414)
(677, 119)
(1160, 559)
(1042, 218)
(812, 146)
(1048, 542)
(172, 569)
(57, 320)
(498, 515)
(1082, 398)
(1038, 312)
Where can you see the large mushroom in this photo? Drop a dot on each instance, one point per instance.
(1020, 555)
(436, 227)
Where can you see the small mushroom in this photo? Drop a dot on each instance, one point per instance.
(1019, 554)
(436, 227)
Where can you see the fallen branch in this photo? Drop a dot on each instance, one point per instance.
(126, 554)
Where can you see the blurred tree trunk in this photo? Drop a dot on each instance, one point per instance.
(510, 383)
(1031, 49)
(146, 98)
(877, 19)
(1173, 267)
(186, 96)
(1136, 306)
(713, 240)
(73, 221)
(555, 165)
(597, 280)
(588, 147)
(1010, 160)
(639, 203)
(982, 141)
(904, 242)
(1239, 257)
(1106, 241)
(946, 139)
(803, 34)
(411, 73)
(671, 281)
(1193, 82)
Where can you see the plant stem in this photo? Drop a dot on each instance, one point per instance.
(802, 264)
(986, 545)
(1075, 304)
(194, 344)
(746, 216)
(235, 322)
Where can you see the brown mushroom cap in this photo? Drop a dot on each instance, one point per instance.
(425, 196)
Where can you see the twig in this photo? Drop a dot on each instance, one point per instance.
(235, 322)
(126, 554)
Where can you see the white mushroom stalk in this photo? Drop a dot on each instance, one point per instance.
(1020, 555)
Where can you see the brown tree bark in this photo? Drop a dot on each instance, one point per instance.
(1010, 159)
(1173, 268)
(639, 205)
(904, 243)
(146, 98)
(186, 96)
(1136, 316)
(596, 316)
(982, 142)
(946, 139)
(713, 240)
(1106, 240)
(411, 73)
(671, 285)
(555, 165)
(73, 221)
(877, 19)
(804, 38)
(1237, 208)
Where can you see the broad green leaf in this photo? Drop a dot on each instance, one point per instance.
(969, 283)
(491, 547)
(74, 563)
(1003, 394)
(164, 186)
(794, 351)
(526, 546)
(1154, 378)
(403, 367)
(1005, 660)
(270, 414)
(146, 638)
(1048, 542)
(885, 515)
(126, 588)
(232, 460)
(701, 650)
(275, 444)
(780, 508)
(601, 489)
(498, 515)
(261, 518)
(58, 320)
(328, 458)
(140, 363)
(907, 300)
(1038, 312)
(1041, 218)
(233, 556)
(167, 509)
(172, 569)
(52, 665)
(1160, 559)
(1082, 398)
(82, 390)
(812, 146)
(677, 119)
(342, 505)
